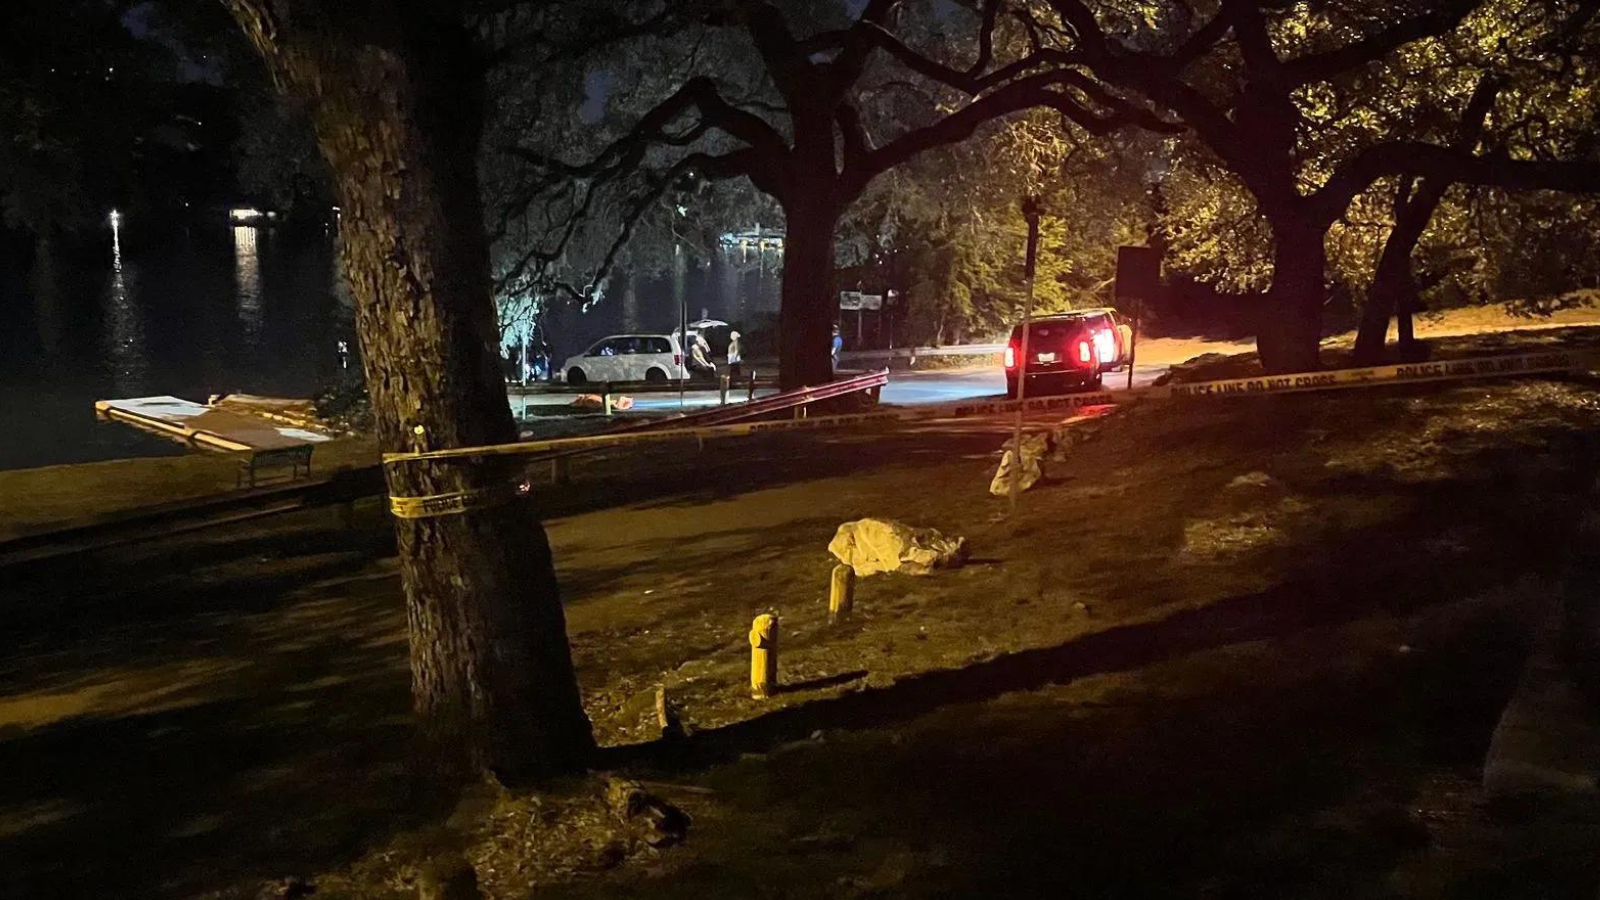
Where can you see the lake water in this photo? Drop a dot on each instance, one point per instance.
(204, 310)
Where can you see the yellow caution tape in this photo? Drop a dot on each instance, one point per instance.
(451, 504)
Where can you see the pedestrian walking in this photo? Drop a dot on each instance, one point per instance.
(838, 345)
(735, 357)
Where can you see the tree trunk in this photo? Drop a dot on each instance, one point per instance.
(399, 122)
(805, 319)
(1392, 287)
(1290, 322)
(1394, 291)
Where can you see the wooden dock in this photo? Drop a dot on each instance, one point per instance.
(208, 427)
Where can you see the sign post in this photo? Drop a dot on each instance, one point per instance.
(1138, 279)
(1030, 211)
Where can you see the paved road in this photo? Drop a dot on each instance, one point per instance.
(953, 385)
(904, 388)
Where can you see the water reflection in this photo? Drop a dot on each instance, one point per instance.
(187, 309)
(194, 309)
(123, 338)
(247, 281)
(739, 285)
(630, 306)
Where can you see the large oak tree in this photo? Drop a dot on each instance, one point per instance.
(1237, 76)
(804, 124)
(394, 91)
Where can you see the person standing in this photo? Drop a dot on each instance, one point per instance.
(699, 356)
(735, 358)
(838, 345)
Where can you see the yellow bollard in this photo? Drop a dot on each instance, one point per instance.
(841, 593)
(763, 656)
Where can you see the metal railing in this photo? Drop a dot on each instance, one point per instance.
(722, 415)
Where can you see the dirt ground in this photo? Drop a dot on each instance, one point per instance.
(1252, 647)
(43, 497)
(1447, 323)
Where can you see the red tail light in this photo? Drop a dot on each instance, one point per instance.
(1011, 356)
(677, 359)
(1085, 352)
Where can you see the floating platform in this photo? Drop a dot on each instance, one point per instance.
(208, 427)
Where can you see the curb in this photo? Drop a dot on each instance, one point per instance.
(1547, 743)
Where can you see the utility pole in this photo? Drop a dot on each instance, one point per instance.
(1030, 212)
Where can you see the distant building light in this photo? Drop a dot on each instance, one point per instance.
(244, 214)
(116, 217)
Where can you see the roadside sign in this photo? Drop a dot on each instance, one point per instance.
(849, 299)
(871, 301)
(1138, 273)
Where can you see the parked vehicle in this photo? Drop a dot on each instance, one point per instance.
(627, 357)
(1067, 351)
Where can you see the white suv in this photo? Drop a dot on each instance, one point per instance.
(627, 357)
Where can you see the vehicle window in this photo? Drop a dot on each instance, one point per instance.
(604, 348)
(1050, 331)
(656, 345)
(628, 346)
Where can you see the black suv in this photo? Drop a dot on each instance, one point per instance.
(1067, 351)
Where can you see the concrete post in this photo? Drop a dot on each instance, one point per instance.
(606, 398)
(558, 470)
(763, 656)
(841, 593)
(752, 395)
(723, 382)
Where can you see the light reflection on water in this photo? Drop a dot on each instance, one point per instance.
(158, 310)
(247, 280)
(190, 312)
(124, 332)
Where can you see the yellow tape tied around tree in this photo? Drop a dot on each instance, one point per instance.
(451, 504)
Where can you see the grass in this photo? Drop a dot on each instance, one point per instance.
(1159, 679)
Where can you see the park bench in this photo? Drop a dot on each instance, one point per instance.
(254, 464)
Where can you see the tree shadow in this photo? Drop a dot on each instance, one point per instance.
(736, 466)
(1339, 591)
(1252, 779)
(200, 784)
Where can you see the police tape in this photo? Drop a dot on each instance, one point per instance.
(1375, 376)
(452, 503)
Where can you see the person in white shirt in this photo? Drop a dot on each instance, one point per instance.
(735, 357)
(699, 358)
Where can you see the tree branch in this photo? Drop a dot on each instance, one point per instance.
(1255, 46)
(847, 67)
(1322, 66)
(1085, 27)
(1451, 166)
(727, 165)
(1034, 91)
(699, 94)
